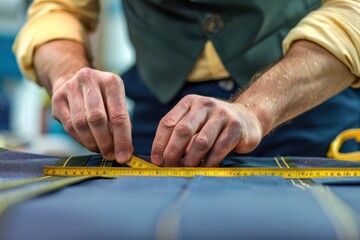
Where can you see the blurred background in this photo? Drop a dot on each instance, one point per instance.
(26, 123)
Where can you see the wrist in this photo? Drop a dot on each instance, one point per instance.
(57, 61)
(260, 112)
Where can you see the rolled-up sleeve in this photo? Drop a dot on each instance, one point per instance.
(336, 27)
(52, 20)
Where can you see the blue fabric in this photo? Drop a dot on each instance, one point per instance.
(21, 164)
(307, 135)
(163, 207)
(130, 208)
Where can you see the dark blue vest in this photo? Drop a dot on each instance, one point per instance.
(168, 35)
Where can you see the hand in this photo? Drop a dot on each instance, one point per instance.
(91, 106)
(206, 129)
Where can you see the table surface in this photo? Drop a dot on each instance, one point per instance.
(256, 207)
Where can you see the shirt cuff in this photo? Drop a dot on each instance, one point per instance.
(336, 27)
(48, 27)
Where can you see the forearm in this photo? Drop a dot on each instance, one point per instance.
(307, 76)
(57, 61)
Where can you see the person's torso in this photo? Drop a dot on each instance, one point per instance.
(169, 35)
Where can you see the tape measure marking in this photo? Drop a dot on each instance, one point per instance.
(136, 162)
(191, 172)
(278, 163)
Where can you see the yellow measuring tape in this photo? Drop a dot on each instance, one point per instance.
(141, 167)
(191, 172)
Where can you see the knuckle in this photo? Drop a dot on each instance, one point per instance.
(112, 80)
(83, 76)
(201, 143)
(84, 72)
(207, 102)
(119, 118)
(59, 99)
(113, 85)
(183, 130)
(221, 113)
(97, 118)
(235, 125)
(68, 126)
(70, 88)
(188, 100)
(168, 122)
(201, 101)
(80, 122)
(189, 97)
(221, 147)
(56, 99)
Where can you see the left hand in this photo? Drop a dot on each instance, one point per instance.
(206, 129)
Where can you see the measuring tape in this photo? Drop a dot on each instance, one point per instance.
(139, 167)
(136, 162)
(191, 172)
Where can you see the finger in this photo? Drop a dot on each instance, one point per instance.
(61, 113)
(79, 119)
(202, 143)
(97, 119)
(189, 145)
(119, 120)
(225, 143)
(181, 136)
(165, 129)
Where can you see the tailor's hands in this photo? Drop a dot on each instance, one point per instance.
(91, 106)
(206, 129)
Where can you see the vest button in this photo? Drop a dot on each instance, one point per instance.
(212, 23)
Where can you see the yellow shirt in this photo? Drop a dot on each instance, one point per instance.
(334, 26)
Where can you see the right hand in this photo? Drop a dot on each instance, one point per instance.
(91, 106)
